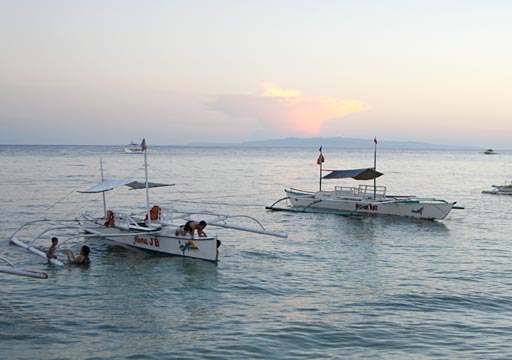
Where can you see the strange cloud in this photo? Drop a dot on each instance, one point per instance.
(287, 111)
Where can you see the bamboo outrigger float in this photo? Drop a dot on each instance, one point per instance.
(10, 268)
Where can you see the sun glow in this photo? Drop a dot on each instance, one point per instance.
(287, 111)
(271, 89)
(307, 114)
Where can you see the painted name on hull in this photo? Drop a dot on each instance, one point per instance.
(141, 240)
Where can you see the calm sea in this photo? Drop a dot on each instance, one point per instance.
(337, 288)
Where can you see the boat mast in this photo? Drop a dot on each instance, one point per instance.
(103, 192)
(375, 168)
(320, 161)
(143, 146)
(320, 177)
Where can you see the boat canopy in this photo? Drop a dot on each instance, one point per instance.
(110, 184)
(357, 174)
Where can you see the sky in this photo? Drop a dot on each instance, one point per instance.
(179, 72)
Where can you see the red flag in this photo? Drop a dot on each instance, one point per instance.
(143, 145)
(320, 159)
(375, 140)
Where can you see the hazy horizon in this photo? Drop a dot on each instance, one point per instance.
(295, 142)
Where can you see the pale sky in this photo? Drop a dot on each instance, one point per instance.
(176, 72)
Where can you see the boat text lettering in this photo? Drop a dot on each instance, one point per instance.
(151, 242)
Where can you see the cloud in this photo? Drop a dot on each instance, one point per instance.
(287, 111)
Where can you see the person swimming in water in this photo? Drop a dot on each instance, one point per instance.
(50, 254)
(82, 259)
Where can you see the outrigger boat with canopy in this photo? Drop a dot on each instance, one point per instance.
(364, 199)
(154, 230)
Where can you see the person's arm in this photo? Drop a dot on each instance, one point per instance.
(201, 233)
(70, 255)
(77, 260)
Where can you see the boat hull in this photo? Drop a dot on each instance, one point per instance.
(133, 151)
(409, 207)
(162, 241)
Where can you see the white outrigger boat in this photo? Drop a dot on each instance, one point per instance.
(505, 189)
(364, 199)
(153, 230)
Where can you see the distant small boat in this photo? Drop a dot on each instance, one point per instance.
(505, 189)
(134, 148)
(489, 152)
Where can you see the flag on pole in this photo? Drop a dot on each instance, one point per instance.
(321, 158)
(143, 145)
(375, 140)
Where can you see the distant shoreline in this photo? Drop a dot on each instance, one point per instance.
(332, 142)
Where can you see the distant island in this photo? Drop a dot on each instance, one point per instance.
(339, 142)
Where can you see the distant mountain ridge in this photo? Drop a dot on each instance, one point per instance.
(339, 142)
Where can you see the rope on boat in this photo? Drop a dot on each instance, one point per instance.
(61, 199)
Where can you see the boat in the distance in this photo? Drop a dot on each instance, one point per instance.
(134, 148)
(489, 152)
(505, 189)
(364, 199)
(155, 229)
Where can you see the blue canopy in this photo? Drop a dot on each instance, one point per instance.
(357, 174)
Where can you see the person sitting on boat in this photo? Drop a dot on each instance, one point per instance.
(50, 254)
(191, 227)
(154, 214)
(111, 221)
(82, 259)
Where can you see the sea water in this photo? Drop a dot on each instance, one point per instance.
(336, 288)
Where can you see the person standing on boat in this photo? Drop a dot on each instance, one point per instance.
(50, 254)
(82, 259)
